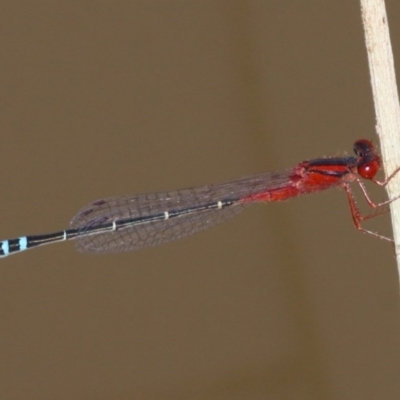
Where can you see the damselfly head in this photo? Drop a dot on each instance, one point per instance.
(368, 160)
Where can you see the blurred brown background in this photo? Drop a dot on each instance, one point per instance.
(286, 301)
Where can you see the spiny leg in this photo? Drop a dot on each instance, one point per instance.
(358, 217)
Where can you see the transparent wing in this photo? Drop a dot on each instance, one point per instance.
(195, 208)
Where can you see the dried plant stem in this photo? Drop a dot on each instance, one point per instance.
(386, 101)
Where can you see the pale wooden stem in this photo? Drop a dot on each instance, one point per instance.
(386, 101)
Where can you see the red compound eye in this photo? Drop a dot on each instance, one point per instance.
(368, 170)
(368, 161)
